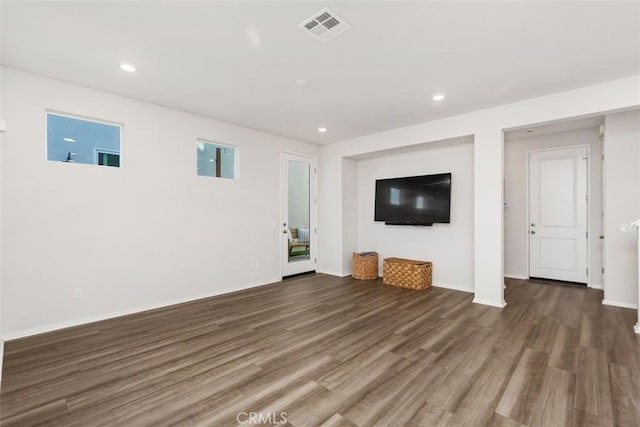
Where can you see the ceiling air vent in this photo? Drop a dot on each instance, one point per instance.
(324, 25)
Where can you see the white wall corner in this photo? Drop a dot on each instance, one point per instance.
(636, 328)
(488, 217)
(596, 286)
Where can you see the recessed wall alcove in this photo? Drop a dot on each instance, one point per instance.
(449, 246)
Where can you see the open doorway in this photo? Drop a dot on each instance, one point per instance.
(553, 206)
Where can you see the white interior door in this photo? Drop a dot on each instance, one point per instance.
(558, 214)
(298, 233)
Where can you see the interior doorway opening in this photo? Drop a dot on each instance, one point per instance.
(553, 202)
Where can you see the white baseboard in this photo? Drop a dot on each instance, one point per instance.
(85, 320)
(488, 302)
(333, 273)
(636, 328)
(446, 286)
(515, 276)
(454, 287)
(596, 285)
(619, 304)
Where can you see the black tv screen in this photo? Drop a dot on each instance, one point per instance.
(414, 200)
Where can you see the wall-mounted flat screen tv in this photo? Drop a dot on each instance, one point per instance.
(414, 200)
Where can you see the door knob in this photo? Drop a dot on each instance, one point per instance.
(533, 224)
(601, 237)
(533, 231)
(284, 231)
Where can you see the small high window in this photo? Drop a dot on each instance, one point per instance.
(74, 140)
(214, 159)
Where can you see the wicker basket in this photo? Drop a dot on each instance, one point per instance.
(407, 273)
(365, 266)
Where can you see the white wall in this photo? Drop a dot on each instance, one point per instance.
(350, 191)
(448, 246)
(486, 126)
(515, 215)
(146, 234)
(622, 206)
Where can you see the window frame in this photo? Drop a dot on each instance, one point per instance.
(97, 151)
(236, 158)
(49, 111)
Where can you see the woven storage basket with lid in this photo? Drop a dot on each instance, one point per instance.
(365, 265)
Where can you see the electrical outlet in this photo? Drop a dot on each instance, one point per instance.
(77, 293)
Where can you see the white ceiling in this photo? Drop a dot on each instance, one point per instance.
(238, 61)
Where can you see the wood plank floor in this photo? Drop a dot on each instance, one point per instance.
(321, 350)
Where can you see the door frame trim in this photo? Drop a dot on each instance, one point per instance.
(528, 201)
(315, 207)
(603, 207)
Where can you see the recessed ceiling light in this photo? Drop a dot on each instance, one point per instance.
(302, 82)
(69, 139)
(322, 129)
(212, 160)
(128, 67)
(438, 97)
(529, 131)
